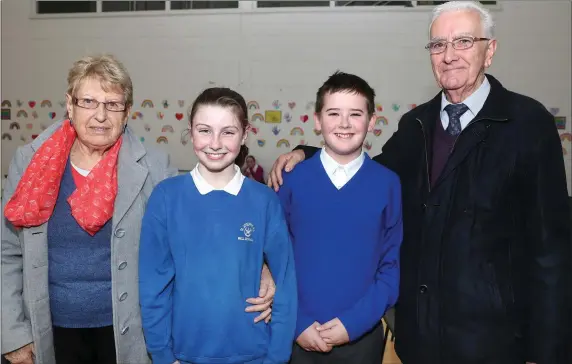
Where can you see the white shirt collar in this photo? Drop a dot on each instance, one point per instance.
(233, 187)
(474, 102)
(340, 174)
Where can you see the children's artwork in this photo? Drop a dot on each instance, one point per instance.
(147, 127)
(381, 120)
(276, 104)
(34, 136)
(367, 145)
(287, 117)
(395, 107)
(29, 126)
(6, 103)
(43, 126)
(273, 116)
(165, 104)
(179, 115)
(6, 136)
(283, 142)
(261, 142)
(291, 105)
(31, 104)
(257, 117)
(147, 103)
(136, 115)
(304, 118)
(185, 136)
(181, 103)
(253, 130)
(19, 103)
(412, 106)
(14, 125)
(162, 140)
(275, 130)
(22, 138)
(52, 115)
(252, 105)
(22, 114)
(160, 115)
(303, 142)
(167, 129)
(142, 139)
(563, 136)
(560, 122)
(6, 114)
(62, 103)
(377, 132)
(35, 114)
(378, 107)
(554, 110)
(46, 103)
(297, 131)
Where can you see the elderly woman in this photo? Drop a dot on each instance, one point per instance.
(73, 205)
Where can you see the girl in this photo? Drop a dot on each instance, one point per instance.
(204, 238)
(253, 170)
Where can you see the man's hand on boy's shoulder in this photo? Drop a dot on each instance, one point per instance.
(334, 332)
(310, 340)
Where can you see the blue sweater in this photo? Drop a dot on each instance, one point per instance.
(200, 259)
(346, 244)
(79, 267)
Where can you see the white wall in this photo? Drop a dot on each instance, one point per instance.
(270, 56)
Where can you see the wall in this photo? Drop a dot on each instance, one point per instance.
(281, 56)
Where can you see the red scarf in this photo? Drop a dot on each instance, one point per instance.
(35, 197)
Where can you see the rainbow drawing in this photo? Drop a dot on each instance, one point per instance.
(14, 125)
(136, 115)
(297, 131)
(46, 103)
(162, 139)
(22, 114)
(252, 105)
(6, 103)
(147, 103)
(381, 120)
(6, 136)
(167, 128)
(566, 136)
(257, 117)
(283, 142)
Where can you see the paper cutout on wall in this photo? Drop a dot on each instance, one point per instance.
(43, 126)
(29, 126)
(554, 110)
(283, 142)
(14, 125)
(6, 136)
(563, 136)
(167, 128)
(252, 105)
(310, 105)
(22, 114)
(46, 103)
(297, 131)
(179, 115)
(412, 106)
(257, 117)
(165, 104)
(273, 116)
(291, 105)
(22, 138)
(147, 103)
(35, 114)
(275, 130)
(6, 103)
(160, 115)
(395, 107)
(276, 104)
(52, 115)
(142, 139)
(62, 103)
(367, 145)
(19, 103)
(261, 142)
(31, 104)
(185, 136)
(136, 115)
(560, 122)
(34, 136)
(287, 117)
(253, 130)
(378, 107)
(181, 103)
(163, 140)
(381, 120)
(6, 114)
(317, 132)
(303, 142)
(303, 118)
(147, 127)
(377, 132)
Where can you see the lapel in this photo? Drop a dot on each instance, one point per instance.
(494, 110)
(130, 175)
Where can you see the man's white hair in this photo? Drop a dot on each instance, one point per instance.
(487, 21)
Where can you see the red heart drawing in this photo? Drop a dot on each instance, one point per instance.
(253, 130)
(377, 132)
(32, 104)
(291, 104)
(52, 115)
(179, 116)
(304, 118)
(34, 136)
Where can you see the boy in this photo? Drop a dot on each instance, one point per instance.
(344, 214)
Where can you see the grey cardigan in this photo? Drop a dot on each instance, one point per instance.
(26, 314)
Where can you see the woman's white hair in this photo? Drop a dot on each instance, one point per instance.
(487, 21)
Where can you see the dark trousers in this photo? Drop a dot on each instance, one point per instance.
(84, 346)
(366, 350)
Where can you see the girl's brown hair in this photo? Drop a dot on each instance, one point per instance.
(224, 97)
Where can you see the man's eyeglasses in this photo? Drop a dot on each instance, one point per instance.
(94, 104)
(440, 46)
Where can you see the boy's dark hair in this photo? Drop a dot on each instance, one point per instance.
(345, 82)
(225, 97)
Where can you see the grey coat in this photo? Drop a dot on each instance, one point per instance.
(26, 314)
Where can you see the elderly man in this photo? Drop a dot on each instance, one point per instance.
(486, 250)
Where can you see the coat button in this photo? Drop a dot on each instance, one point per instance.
(423, 288)
(123, 296)
(122, 265)
(424, 207)
(124, 330)
(119, 233)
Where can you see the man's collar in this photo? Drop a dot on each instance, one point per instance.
(233, 187)
(475, 101)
